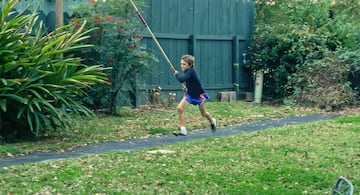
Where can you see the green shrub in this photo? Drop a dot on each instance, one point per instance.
(284, 53)
(324, 83)
(353, 59)
(294, 51)
(117, 45)
(39, 82)
(345, 24)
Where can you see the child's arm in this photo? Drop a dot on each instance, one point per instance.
(184, 77)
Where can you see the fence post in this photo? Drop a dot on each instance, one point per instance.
(236, 65)
(258, 86)
(192, 45)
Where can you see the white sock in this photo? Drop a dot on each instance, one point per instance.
(183, 130)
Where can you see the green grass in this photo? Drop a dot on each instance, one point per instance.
(142, 122)
(352, 123)
(349, 120)
(298, 159)
(154, 131)
(8, 149)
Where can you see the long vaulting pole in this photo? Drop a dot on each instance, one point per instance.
(153, 36)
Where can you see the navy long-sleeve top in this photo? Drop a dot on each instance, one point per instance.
(193, 84)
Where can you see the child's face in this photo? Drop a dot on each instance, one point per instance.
(184, 65)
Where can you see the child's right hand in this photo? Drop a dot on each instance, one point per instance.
(176, 72)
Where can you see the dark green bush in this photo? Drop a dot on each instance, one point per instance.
(281, 50)
(117, 45)
(352, 58)
(324, 83)
(314, 37)
(39, 83)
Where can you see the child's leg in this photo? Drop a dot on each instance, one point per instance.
(203, 112)
(181, 111)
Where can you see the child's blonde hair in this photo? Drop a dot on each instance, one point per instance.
(189, 59)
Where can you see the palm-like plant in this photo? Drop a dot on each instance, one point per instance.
(39, 80)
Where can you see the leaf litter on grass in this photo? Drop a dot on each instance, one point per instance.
(298, 159)
(145, 122)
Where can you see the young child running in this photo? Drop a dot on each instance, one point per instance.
(195, 94)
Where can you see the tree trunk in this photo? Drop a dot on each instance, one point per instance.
(59, 6)
(112, 107)
(1, 125)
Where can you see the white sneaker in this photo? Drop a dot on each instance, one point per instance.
(213, 125)
(182, 132)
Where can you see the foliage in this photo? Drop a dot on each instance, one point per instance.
(284, 53)
(345, 25)
(294, 159)
(353, 59)
(324, 83)
(309, 31)
(39, 82)
(117, 45)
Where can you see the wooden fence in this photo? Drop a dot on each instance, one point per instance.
(216, 32)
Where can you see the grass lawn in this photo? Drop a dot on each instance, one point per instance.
(144, 122)
(297, 159)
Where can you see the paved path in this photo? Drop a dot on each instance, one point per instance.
(137, 144)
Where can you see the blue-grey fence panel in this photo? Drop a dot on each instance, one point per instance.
(162, 74)
(216, 32)
(214, 62)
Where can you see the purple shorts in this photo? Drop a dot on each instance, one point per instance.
(197, 101)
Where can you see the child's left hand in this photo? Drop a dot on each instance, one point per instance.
(184, 88)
